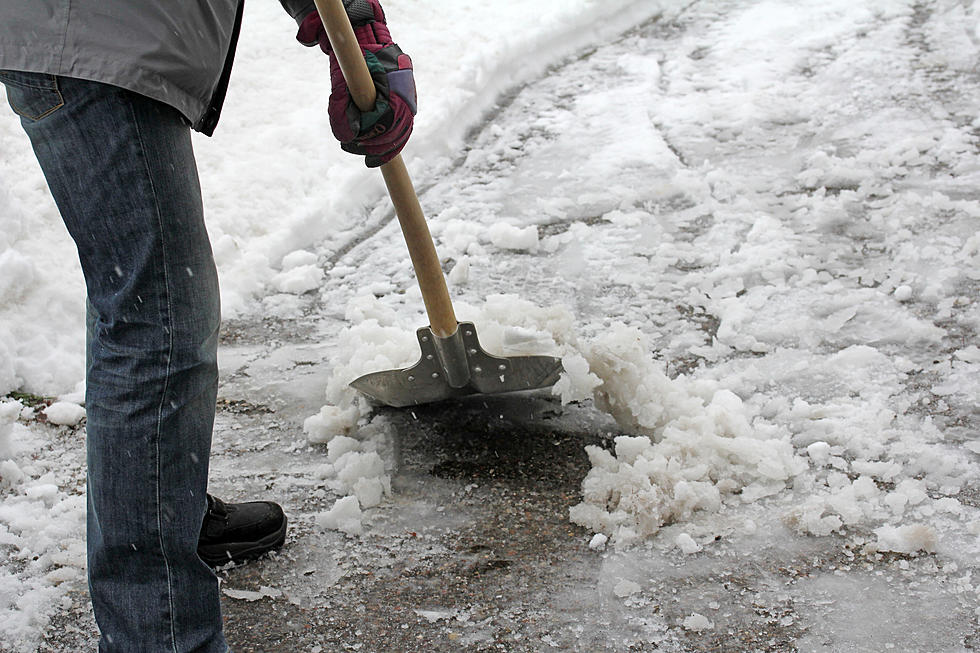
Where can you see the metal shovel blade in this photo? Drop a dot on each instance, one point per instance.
(454, 367)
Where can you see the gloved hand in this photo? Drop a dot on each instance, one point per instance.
(380, 134)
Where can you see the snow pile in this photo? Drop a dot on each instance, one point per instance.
(41, 292)
(301, 191)
(377, 341)
(697, 446)
(355, 467)
(694, 447)
(41, 534)
(319, 195)
(357, 470)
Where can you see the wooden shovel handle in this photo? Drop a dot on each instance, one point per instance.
(428, 271)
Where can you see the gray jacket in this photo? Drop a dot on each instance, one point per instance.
(177, 51)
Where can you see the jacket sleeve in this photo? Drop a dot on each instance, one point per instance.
(298, 9)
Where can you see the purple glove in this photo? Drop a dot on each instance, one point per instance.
(380, 134)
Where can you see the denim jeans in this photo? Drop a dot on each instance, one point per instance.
(121, 169)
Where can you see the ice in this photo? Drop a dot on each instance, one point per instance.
(576, 382)
(625, 588)
(433, 616)
(866, 612)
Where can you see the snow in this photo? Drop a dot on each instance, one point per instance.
(697, 622)
(64, 413)
(344, 516)
(754, 244)
(626, 588)
(687, 544)
(906, 539)
(247, 595)
(41, 529)
(508, 236)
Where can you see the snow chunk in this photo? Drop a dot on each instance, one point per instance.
(906, 539)
(298, 280)
(460, 274)
(507, 236)
(64, 413)
(697, 622)
(819, 452)
(903, 293)
(687, 544)
(341, 445)
(433, 616)
(345, 516)
(9, 410)
(598, 542)
(576, 382)
(331, 422)
(969, 354)
(355, 467)
(626, 588)
(249, 595)
(299, 258)
(364, 475)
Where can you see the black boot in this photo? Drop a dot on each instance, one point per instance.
(233, 532)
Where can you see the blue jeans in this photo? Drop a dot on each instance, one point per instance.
(121, 169)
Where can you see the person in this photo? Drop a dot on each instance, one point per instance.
(108, 92)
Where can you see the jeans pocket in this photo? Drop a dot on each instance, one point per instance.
(32, 95)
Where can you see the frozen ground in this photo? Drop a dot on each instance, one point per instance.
(751, 230)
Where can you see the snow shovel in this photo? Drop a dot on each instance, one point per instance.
(453, 363)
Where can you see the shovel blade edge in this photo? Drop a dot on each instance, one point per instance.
(425, 382)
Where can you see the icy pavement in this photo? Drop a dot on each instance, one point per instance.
(755, 224)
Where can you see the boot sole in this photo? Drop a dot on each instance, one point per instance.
(215, 555)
